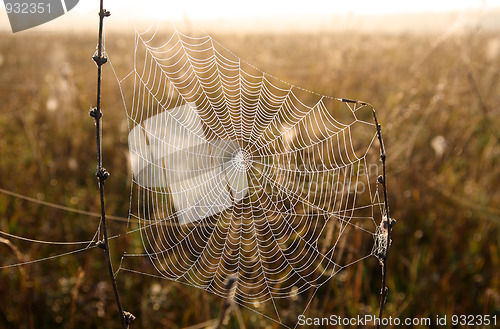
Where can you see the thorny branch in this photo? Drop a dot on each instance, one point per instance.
(102, 174)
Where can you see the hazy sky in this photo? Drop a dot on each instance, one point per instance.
(224, 8)
(139, 10)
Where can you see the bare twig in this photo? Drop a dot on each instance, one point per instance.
(386, 225)
(384, 233)
(101, 173)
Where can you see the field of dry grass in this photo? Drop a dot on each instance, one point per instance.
(437, 98)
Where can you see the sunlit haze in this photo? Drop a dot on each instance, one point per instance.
(202, 9)
(246, 14)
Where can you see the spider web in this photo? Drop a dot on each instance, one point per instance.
(239, 174)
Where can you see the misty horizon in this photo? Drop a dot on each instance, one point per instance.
(456, 20)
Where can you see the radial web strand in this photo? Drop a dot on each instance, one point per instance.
(237, 173)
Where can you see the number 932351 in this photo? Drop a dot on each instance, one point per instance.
(474, 320)
(27, 8)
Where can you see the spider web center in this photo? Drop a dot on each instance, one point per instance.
(242, 160)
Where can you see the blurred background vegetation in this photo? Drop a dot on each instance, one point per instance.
(438, 100)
